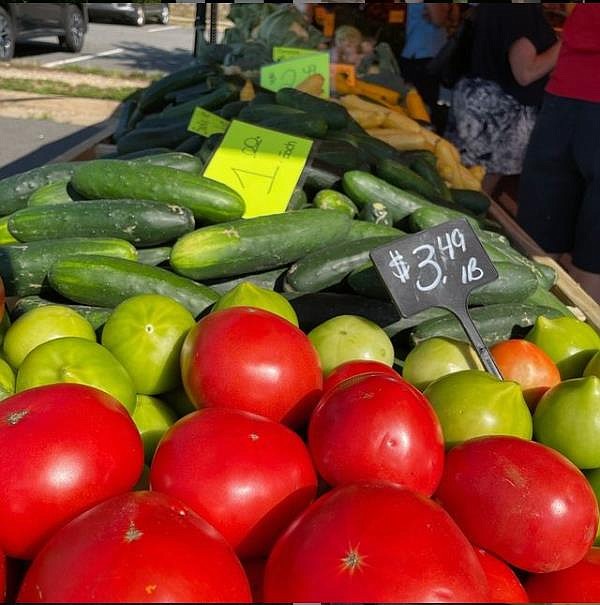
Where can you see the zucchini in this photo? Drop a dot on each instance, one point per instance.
(335, 115)
(231, 110)
(376, 212)
(374, 148)
(112, 179)
(211, 100)
(298, 200)
(52, 193)
(328, 199)
(363, 188)
(429, 172)
(270, 280)
(169, 135)
(189, 92)
(318, 175)
(5, 235)
(363, 229)
(97, 316)
(143, 223)
(410, 157)
(339, 153)
(16, 190)
(401, 176)
(125, 112)
(494, 322)
(154, 256)
(475, 201)
(209, 146)
(303, 125)
(23, 267)
(327, 267)
(172, 159)
(256, 244)
(542, 297)
(105, 282)
(191, 145)
(137, 154)
(255, 112)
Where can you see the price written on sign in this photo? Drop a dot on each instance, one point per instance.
(438, 267)
(205, 123)
(261, 164)
(291, 73)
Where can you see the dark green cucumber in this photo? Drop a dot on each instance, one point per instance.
(303, 125)
(97, 316)
(105, 282)
(329, 199)
(232, 109)
(23, 267)
(298, 200)
(363, 229)
(16, 190)
(401, 176)
(494, 322)
(410, 157)
(429, 172)
(52, 193)
(270, 280)
(335, 115)
(169, 136)
(374, 148)
(154, 256)
(378, 213)
(325, 268)
(475, 201)
(256, 244)
(143, 223)
(112, 179)
(173, 159)
(363, 188)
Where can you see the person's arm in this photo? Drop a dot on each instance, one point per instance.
(438, 12)
(527, 65)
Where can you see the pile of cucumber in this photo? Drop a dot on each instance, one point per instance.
(144, 220)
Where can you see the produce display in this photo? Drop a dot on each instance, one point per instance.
(198, 406)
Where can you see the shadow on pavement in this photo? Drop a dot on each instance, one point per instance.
(31, 49)
(137, 56)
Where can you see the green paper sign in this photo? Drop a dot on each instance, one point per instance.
(261, 164)
(205, 122)
(283, 53)
(291, 73)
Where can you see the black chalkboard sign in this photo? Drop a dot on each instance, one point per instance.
(438, 267)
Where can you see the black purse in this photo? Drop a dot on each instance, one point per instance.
(453, 61)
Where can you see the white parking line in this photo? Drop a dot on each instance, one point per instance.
(105, 53)
(163, 28)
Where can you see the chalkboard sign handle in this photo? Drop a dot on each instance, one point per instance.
(471, 330)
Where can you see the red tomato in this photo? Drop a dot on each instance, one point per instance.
(521, 501)
(355, 368)
(140, 547)
(505, 587)
(2, 577)
(65, 447)
(525, 363)
(374, 543)
(249, 359)
(255, 572)
(245, 474)
(577, 584)
(374, 427)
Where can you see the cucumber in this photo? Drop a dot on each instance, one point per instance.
(494, 322)
(16, 190)
(376, 212)
(105, 282)
(23, 267)
(429, 172)
(142, 223)
(433, 215)
(172, 159)
(5, 235)
(363, 188)
(154, 256)
(327, 267)
(547, 276)
(328, 199)
(363, 229)
(112, 179)
(97, 316)
(410, 157)
(376, 150)
(303, 125)
(475, 201)
(256, 244)
(270, 280)
(335, 115)
(169, 135)
(52, 193)
(542, 297)
(401, 176)
(298, 200)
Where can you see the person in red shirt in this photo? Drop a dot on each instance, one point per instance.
(559, 192)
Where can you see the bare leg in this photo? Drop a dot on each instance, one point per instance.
(490, 182)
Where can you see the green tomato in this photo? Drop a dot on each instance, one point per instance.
(4, 326)
(593, 367)
(248, 294)
(349, 337)
(472, 404)
(7, 380)
(437, 357)
(567, 419)
(146, 333)
(178, 400)
(76, 360)
(152, 418)
(593, 478)
(42, 325)
(569, 342)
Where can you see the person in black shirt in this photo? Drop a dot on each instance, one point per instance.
(494, 108)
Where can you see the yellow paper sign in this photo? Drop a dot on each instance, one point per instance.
(261, 164)
(291, 73)
(205, 122)
(283, 53)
